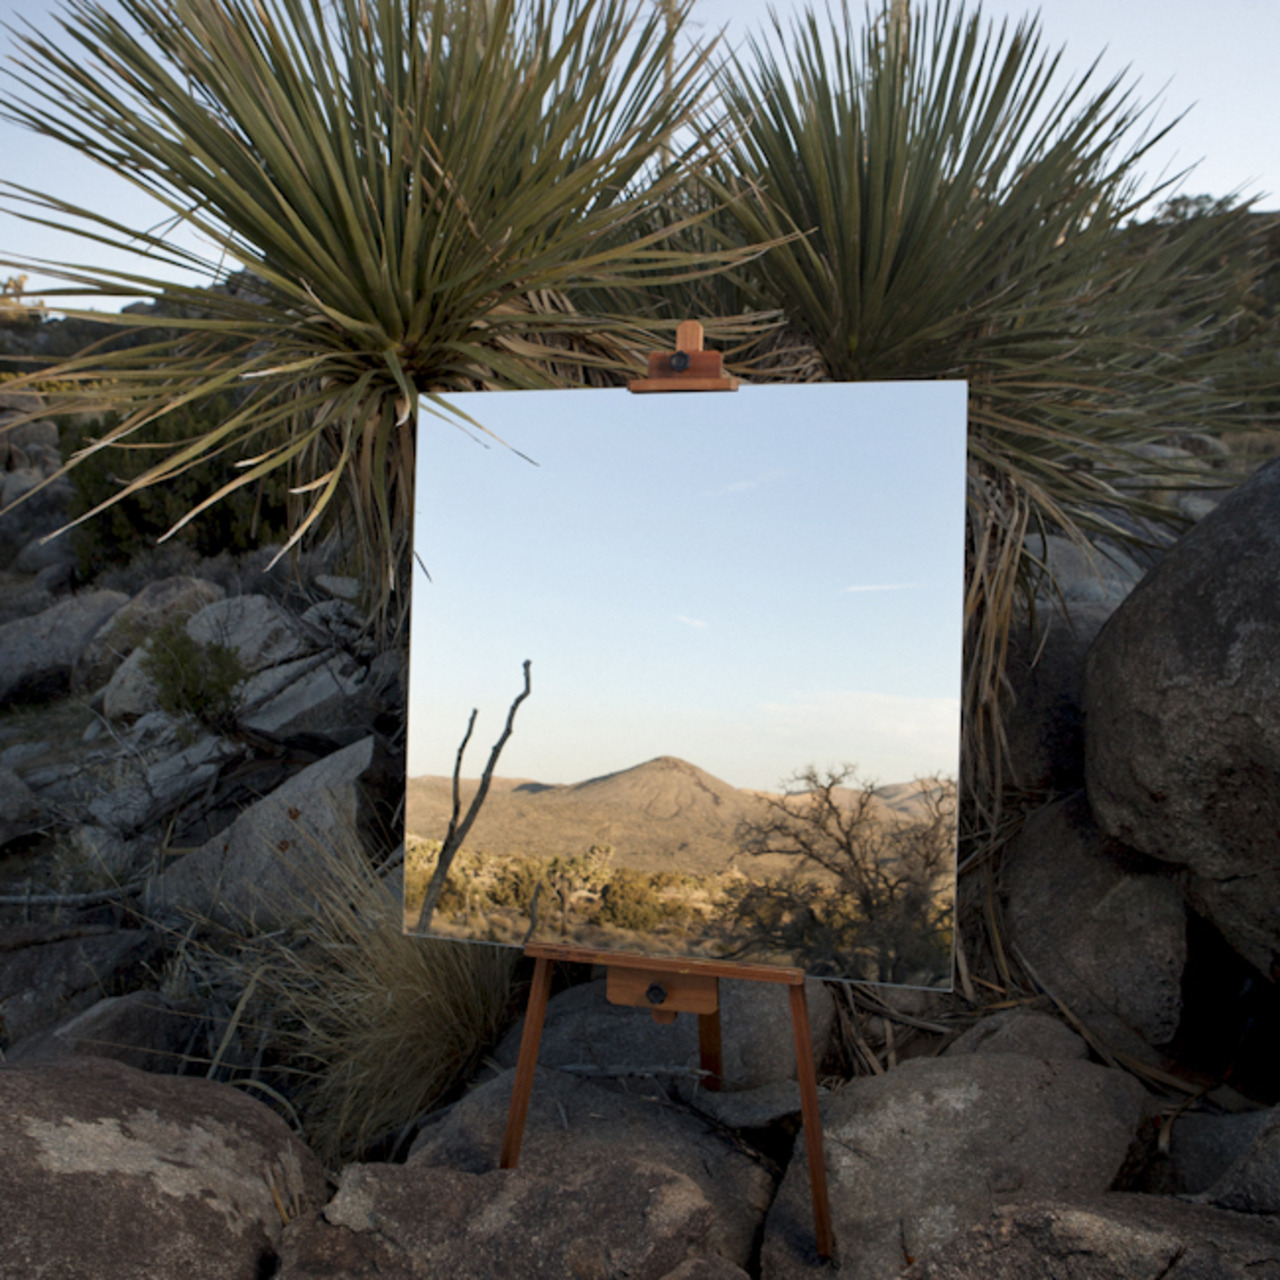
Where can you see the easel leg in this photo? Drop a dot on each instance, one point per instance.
(527, 1063)
(709, 1050)
(812, 1118)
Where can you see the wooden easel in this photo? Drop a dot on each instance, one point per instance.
(667, 986)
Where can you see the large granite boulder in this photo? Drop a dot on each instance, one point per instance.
(20, 812)
(254, 873)
(919, 1154)
(582, 1029)
(110, 1173)
(1102, 927)
(38, 653)
(1114, 1237)
(606, 1185)
(1182, 704)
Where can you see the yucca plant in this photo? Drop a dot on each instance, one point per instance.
(416, 189)
(968, 215)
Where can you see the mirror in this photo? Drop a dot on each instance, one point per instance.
(743, 617)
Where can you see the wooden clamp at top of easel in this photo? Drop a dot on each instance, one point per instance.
(687, 368)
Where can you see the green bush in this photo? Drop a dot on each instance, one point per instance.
(238, 523)
(629, 901)
(197, 681)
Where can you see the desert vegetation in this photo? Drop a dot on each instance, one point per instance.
(853, 890)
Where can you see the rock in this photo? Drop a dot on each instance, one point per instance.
(170, 781)
(41, 433)
(1251, 1184)
(1182, 689)
(1045, 723)
(130, 693)
(339, 588)
(311, 695)
(39, 555)
(749, 1108)
(37, 654)
(15, 484)
(49, 972)
(41, 513)
(102, 849)
(13, 403)
(336, 622)
(20, 812)
(712, 1268)
(153, 606)
(112, 1174)
(240, 876)
(1103, 929)
(1203, 1147)
(56, 579)
(1102, 575)
(583, 1028)
(602, 1175)
(142, 1029)
(257, 628)
(1114, 1237)
(1022, 1031)
(919, 1154)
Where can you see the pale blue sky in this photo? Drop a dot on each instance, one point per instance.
(753, 581)
(1216, 57)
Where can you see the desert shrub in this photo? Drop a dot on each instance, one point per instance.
(515, 882)
(629, 901)
(366, 1027)
(194, 681)
(115, 536)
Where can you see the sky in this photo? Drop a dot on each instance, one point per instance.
(1213, 59)
(753, 581)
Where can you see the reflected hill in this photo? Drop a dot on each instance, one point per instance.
(663, 815)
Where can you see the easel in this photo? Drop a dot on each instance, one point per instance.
(667, 986)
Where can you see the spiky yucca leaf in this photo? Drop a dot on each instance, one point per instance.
(408, 183)
(965, 217)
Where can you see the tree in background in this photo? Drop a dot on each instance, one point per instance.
(872, 895)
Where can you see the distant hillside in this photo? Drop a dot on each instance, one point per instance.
(664, 815)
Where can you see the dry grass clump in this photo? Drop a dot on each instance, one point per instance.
(377, 1026)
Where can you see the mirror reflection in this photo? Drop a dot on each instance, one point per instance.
(737, 736)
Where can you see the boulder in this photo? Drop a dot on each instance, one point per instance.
(48, 972)
(1045, 721)
(253, 873)
(919, 1154)
(606, 1185)
(1022, 1031)
(257, 628)
(1102, 574)
(1182, 702)
(20, 812)
(1251, 1183)
(317, 696)
(41, 513)
(1203, 1147)
(153, 606)
(13, 403)
(42, 433)
(1103, 928)
(130, 693)
(38, 653)
(39, 555)
(583, 1029)
(112, 1174)
(143, 1029)
(1114, 1237)
(169, 781)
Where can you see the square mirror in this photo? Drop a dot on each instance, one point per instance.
(743, 615)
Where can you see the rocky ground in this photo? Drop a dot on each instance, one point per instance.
(1098, 1098)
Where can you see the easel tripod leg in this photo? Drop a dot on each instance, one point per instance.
(812, 1118)
(527, 1063)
